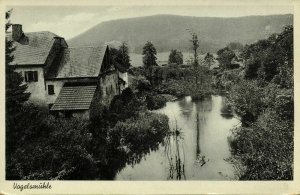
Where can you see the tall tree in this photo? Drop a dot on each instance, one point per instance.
(123, 56)
(15, 96)
(199, 71)
(149, 52)
(120, 57)
(15, 89)
(175, 57)
(195, 47)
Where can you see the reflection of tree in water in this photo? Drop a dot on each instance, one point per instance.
(118, 156)
(200, 159)
(186, 107)
(204, 106)
(175, 153)
(226, 110)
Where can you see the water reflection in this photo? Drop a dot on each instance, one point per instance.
(226, 110)
(196, 148)
(186, 106)
(174, 152)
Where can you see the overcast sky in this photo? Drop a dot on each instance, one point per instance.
(71, 21)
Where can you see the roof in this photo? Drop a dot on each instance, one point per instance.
(80, 62)
(74, 98)
(35, 51)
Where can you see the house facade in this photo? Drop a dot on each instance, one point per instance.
(64, 79)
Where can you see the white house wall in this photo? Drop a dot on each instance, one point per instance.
(50, 99)
(124, 76)
(37, 89)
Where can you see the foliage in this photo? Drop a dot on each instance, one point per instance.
(198, 86)
(175, 57)
(209, 59)
(127, 105)
(225, 56)
(121, 56)
(270, 57)
(62, 148)
(156, 102)
(195, 47)
(262, 147)
(15, 97)
(16, 93)
(58, 149)
(173, 87)
(149, 52)
(235, 46)
(265, 148)
(227, 79)
(247, 105)
(132, 133)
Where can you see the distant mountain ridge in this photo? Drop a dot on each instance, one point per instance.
(170, 31)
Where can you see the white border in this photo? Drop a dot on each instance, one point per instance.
(159, 187)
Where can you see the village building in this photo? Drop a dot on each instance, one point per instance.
(65, 79)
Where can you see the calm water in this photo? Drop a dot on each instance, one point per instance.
(197, 152)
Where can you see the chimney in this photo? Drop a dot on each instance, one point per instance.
(17, 32)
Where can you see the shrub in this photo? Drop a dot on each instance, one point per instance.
(156, 102)
(63, 153)
(140, 135)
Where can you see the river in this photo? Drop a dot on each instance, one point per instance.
(197, 151)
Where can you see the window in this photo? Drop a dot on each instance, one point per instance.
(50, 106)
(31, 76)
(51, 89)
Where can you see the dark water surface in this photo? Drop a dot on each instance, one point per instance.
(196, 152)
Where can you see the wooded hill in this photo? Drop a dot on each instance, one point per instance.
(170, 31)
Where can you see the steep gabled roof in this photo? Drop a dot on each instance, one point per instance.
(80, 62)
(33, 49)
(74, 98)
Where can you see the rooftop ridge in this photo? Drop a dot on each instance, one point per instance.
(85, 47)
(35, 32)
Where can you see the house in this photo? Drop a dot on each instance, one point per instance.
(65, 79)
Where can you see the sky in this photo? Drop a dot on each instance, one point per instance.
(69, 21)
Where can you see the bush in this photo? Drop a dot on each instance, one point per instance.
(156, 102)
(248, 100)
(263, 146)
(62, 153)
(265, 149)
(138, 136)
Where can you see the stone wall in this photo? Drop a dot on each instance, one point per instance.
(109, 86)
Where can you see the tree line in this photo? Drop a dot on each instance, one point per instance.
(262, 95)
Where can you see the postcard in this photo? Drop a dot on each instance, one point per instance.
(137, 97)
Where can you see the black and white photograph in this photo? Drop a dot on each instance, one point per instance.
(148, 93)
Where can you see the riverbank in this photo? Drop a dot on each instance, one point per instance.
(91, 149)
(262, 95)
(195, 145)
(169, 83)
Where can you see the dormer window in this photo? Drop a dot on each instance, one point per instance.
(31, 76)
